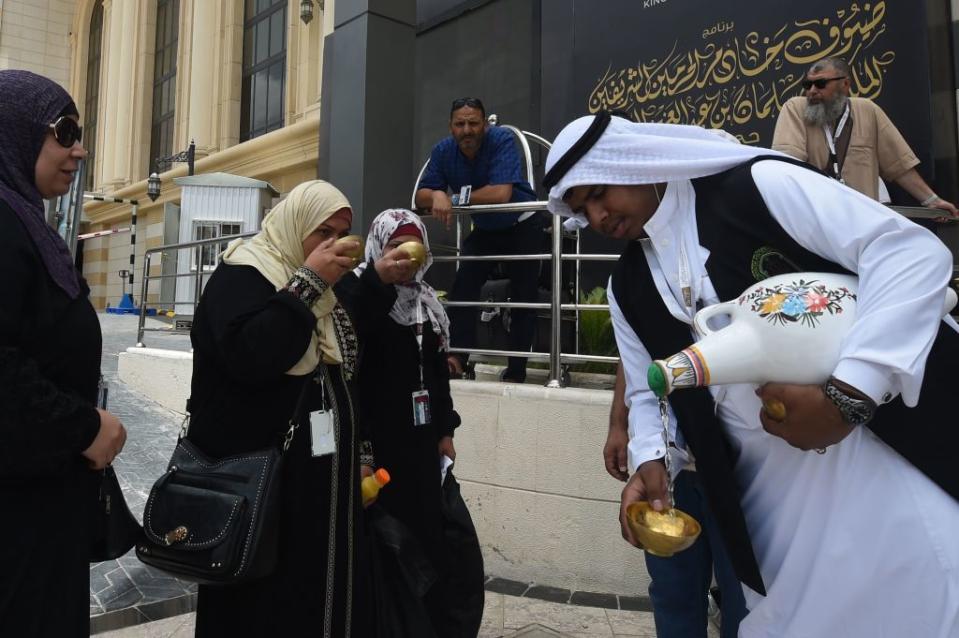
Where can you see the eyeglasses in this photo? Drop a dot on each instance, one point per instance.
(820, 83)
(66, 131)
(472, 102)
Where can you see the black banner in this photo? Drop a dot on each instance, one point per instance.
(732, 64)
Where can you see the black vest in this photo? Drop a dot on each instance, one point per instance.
(747, 244)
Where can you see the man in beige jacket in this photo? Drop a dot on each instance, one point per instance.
(849, 138)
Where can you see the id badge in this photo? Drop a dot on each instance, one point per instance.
(322, 437)
(421, 407)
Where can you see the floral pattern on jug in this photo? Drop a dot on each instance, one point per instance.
(801, 302)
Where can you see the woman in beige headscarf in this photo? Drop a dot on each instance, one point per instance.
(267, 328)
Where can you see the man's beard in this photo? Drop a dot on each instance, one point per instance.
(826, 112)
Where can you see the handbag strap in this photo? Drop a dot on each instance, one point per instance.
(288, 437)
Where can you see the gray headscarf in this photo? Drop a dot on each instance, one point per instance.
(29, 103)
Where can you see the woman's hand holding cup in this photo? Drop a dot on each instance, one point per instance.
(332, 259)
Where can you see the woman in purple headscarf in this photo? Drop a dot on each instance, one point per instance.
(51, 433)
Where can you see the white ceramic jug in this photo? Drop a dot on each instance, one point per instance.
(785, 329)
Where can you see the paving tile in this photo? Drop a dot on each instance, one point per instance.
(187, 629)
(551, 594)
(536, 631)
(509, 587)
(631, 623)
(169, 607)
(492, 624)
(635, 603)
(521, 612)
(165, 628)
(116, 619)
(594, 599)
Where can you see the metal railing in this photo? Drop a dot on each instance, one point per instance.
(198, 274)
(557, 359)
(920, 212)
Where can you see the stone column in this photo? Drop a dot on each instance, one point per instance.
(125, 59)
(203, 52)
(109, 92)
(366, 137)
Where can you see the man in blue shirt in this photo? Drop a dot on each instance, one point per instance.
(485, 158)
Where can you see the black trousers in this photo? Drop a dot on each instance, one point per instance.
(526, 237)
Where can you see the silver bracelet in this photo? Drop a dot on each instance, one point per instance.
(929, 200)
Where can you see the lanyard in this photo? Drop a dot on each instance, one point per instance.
(419, 338)
(318, 378)
(831, 139)
(685, 279)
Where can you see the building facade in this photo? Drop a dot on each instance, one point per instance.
(240, 78)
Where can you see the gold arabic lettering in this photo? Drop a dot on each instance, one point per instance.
(746, 78)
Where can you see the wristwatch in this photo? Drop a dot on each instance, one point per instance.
(855, 411)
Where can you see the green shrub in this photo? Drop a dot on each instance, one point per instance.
(596, 333)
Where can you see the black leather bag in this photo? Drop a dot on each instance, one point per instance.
(115, 530)
(216, 521)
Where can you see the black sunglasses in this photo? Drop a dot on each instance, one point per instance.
(472, 102)
(820, 83)
(66, 131)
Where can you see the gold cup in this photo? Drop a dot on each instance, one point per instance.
(657, 542)
(357, 253)
(415, 250)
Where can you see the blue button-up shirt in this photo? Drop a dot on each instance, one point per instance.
(496, 162)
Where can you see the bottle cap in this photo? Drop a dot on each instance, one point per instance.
(656, 379)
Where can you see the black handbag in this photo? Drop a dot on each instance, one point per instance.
(114, 529)
(216, 521)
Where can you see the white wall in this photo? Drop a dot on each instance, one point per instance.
(530, 463)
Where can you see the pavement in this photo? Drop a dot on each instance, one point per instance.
(129, 599)
(505, 616)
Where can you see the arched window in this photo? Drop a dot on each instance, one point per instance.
(92, 99)
(164, 81)
(264, 67)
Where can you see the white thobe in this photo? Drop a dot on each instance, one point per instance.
(855, 542)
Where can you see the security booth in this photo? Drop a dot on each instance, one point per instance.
(213, 205)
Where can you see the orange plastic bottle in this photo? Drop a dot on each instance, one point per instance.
(371, 485)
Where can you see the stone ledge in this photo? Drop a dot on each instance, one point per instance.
(578, 396)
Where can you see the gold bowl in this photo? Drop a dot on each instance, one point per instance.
(656, 542)
(415, 250)
(357, 253)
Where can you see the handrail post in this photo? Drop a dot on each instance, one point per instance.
(556, 318)
(199, 278)
(143, 297)
(576, 291)
(459, 239)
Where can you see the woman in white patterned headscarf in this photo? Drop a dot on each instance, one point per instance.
(404, 383)
(390, 229)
